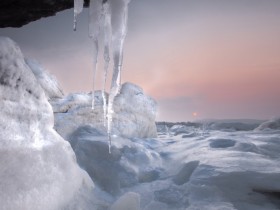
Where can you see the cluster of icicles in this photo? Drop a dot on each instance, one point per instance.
(107, 28)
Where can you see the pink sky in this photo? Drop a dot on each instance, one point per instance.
(220, 59)
(225, 66)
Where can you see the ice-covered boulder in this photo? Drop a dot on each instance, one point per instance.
(38, 169)
(134, 115)
(273, 124)
(47, 81)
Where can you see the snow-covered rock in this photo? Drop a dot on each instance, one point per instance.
(134, 115)
(273, 124)
(38, 169)
(47, 81)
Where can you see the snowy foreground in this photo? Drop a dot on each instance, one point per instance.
(196, 169)
(56, 157)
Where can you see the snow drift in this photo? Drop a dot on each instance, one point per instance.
(38, 168)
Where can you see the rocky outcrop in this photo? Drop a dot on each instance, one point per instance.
(38, 169)
(134, 113)
(16, 13)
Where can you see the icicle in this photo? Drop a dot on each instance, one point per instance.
(94, 69)
(78, 8)
(119, 29)
(107, 40)
(95, 14)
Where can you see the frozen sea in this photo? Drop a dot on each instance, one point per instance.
(185, 167)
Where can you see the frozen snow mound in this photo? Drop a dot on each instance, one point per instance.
(47, 81)
(38, 169)
(134, 115)
(135, 112)
(273, 124)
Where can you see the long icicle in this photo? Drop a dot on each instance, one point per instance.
(95, 15)
(78, 8)
(107, 41)
(119, 30)
(94, 69)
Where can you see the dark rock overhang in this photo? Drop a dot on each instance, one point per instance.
(16, 13)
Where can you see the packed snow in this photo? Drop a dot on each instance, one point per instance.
(38, 169)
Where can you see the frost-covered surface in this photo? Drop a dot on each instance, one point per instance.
(47, 81)
(135, 113)
(216, 170)
(273, 124)
(38, 169)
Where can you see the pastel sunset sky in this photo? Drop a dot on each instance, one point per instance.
(218, 58)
